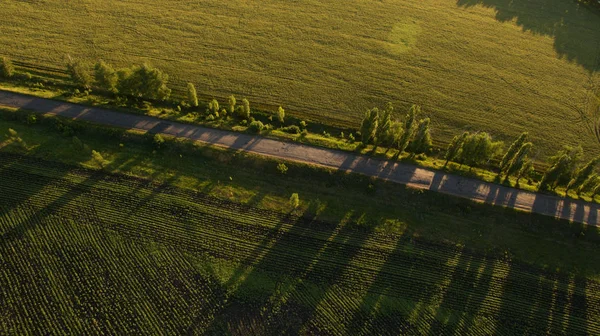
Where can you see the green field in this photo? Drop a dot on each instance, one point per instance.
(494, 65)
(208, 248)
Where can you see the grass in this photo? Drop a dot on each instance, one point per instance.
(208, 247)
(329, 61)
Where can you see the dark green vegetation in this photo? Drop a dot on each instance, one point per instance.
(88, 251)
(497, 66)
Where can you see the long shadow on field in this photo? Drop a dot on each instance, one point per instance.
(463, 297)
(33, 212)
(534, 301)
(574, 27)
(308, 250)
(405, 286)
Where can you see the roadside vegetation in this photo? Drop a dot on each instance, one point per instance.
(258, 249)
(327, 63)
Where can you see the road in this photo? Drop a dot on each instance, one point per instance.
(413, 176)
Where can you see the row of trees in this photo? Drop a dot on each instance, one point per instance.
(138, 81)
(378, 128)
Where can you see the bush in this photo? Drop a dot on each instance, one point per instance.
(78, 71)
(282, 168)
(31, 119)
(293, 129)
(244, 122)
(351, 137)
(210, 117)
(303, 124)
(98, 159)
(158, 140)
(294, 200)
(256, 126)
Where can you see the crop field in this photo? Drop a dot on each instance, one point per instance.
(85, 252)
(494, 65)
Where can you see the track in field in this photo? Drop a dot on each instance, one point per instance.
(85, 252)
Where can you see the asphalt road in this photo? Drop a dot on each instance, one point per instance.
(574, 210)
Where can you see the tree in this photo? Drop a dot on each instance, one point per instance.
(555, 172)
(582, 175)
(191, 95)
(281, 114)
(478, 148)
(106, 77)
(589, 184)
(368, 127)
(518, 160)
(231, 100)
(512, 151)
(158, 140)
(409, 127)
(294, 200)
(422, 141)
(576, 156)
(395, 133)
(526, 170)
(144, 81)
(383, 134)
(78, 72)
(7, 69)
(454, 148)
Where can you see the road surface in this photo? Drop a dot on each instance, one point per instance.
(574, 210)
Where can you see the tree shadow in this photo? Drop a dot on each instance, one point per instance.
(574, 27)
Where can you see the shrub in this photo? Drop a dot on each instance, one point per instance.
(293, 129)
(12, 133)
(351, 137)
(244, 122)
(303, 124)
(304, 133)
(158, 140)
(294, 200)
(282, 168)
(98, 159)
(256, 126)
(210, 117)
(31, 119)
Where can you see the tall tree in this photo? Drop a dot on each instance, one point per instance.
(582, 174)
(78, 72)
(383, 133)
(422, 141)
(512, 151)
(560, 168)
(7, 69)
(589, 184)
(192, 95)
(106, 77)
(525, 171)
(368, 127)
(516, 163)
(454, 147)
(409, 128)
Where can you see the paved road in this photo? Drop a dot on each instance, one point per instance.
(413, 176)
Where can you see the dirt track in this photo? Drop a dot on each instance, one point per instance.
(413, 176)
